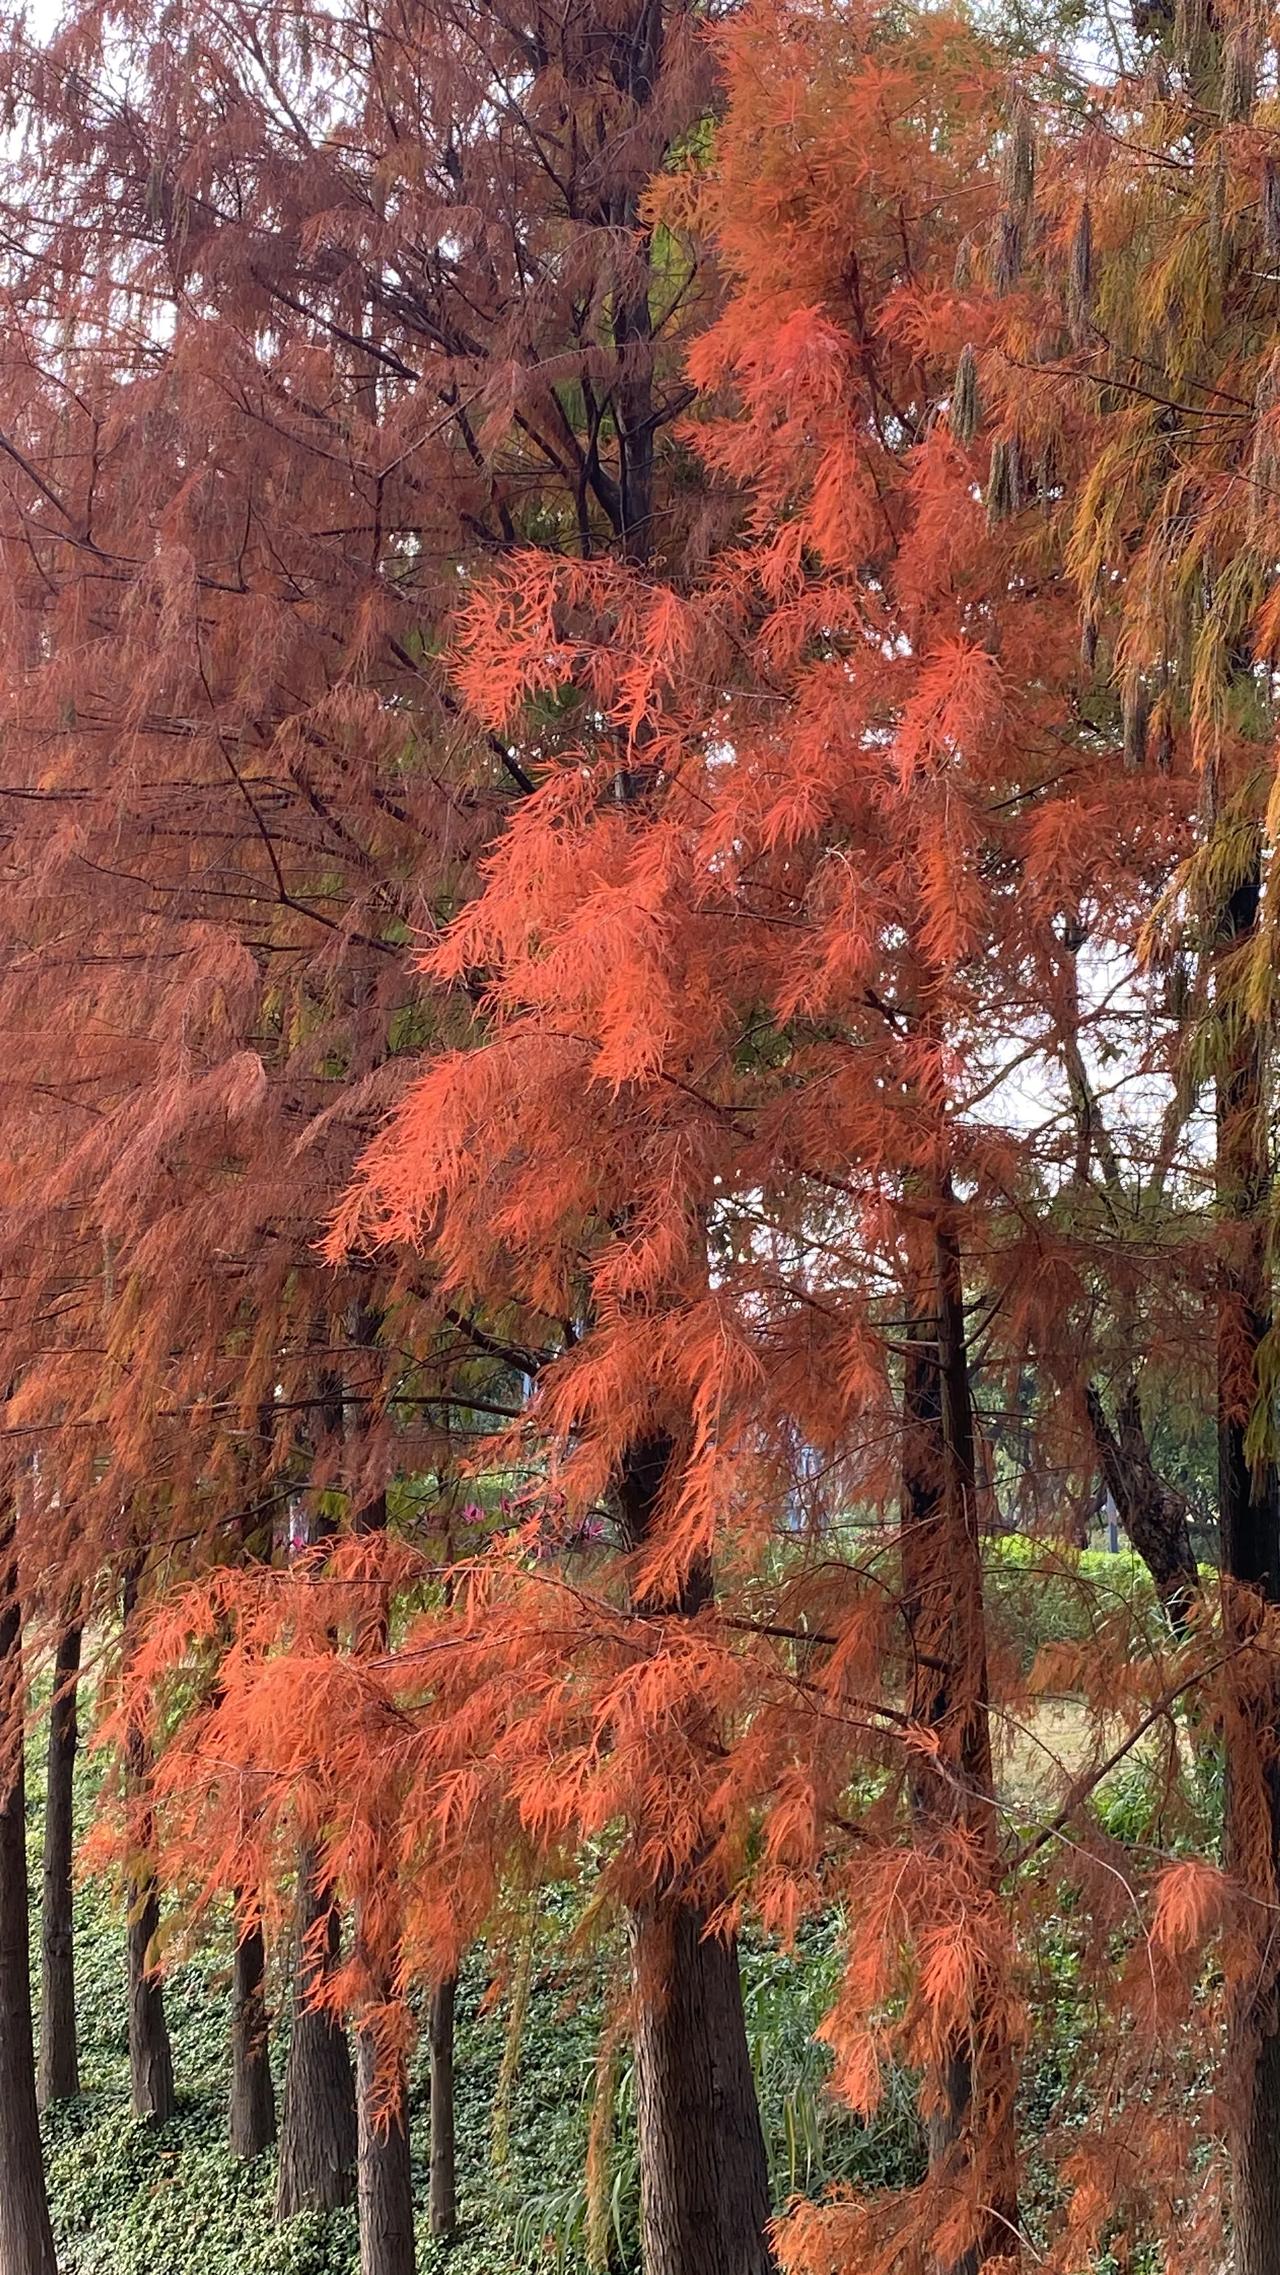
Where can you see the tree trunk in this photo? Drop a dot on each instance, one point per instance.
(253, 2100)
(384, 2181)
(443, 2189)
(318, 2131)
(1249, 1514)
(969, 2101)
(384, 2177)
(150, 2053)
(58, 2076)
(251, 2113)
(1154, 1516)
(26, 2237)
(704, 2173)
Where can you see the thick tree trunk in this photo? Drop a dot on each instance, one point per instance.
(150, 2053)
(1256, 2157)
(384, 2181)
(704, 2173)
(58, 2074)
(969, 2101)
(253, 2102)
(1249, 1515)
(443, 2186)
(318, 2130)
(1154, 1516)
(26, 2237)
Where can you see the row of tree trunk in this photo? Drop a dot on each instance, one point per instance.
(336, 2140)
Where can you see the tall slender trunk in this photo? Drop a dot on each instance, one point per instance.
(252, 2125)
(318, 2129)
(318, 2125)
(442, 2197)
(251, 2110)
(26, 2237)
(636, 63)
(58, 2074)
(1249, 1512)
(385, 2183)
(969, 2101)
(150, 2053)
(704, 2174)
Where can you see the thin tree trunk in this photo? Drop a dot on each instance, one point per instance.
(1154, 1516)
(636, 62)
(251, 2110)
(704, 2173)
(253, 2100)
(1249, 1513)
(443, 2187)
(385, 2181)
(150, 2053)
(318, 2129)
(26, 2237)
(385, 2184)
(58, 2075)
(969, 2101)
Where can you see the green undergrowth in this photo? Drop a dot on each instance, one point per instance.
(133, 2200)
(130, 2199)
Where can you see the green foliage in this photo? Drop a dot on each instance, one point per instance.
(1040, 1592)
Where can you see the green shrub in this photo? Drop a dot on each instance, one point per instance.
(1039, 1592)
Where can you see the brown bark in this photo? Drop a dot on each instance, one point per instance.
(150, 2053)
(26, 2237)
(704, 2174)
(251, 2112)
(1249, 1515)
(384, 2182)
(58, 2074)
(318, 2128)
(636, 63)
(970, 2121)
(1154, 1516)
(384, 2179)
(442, 2186)
(252, 2116)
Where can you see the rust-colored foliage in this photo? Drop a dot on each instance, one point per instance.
(554, 635)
